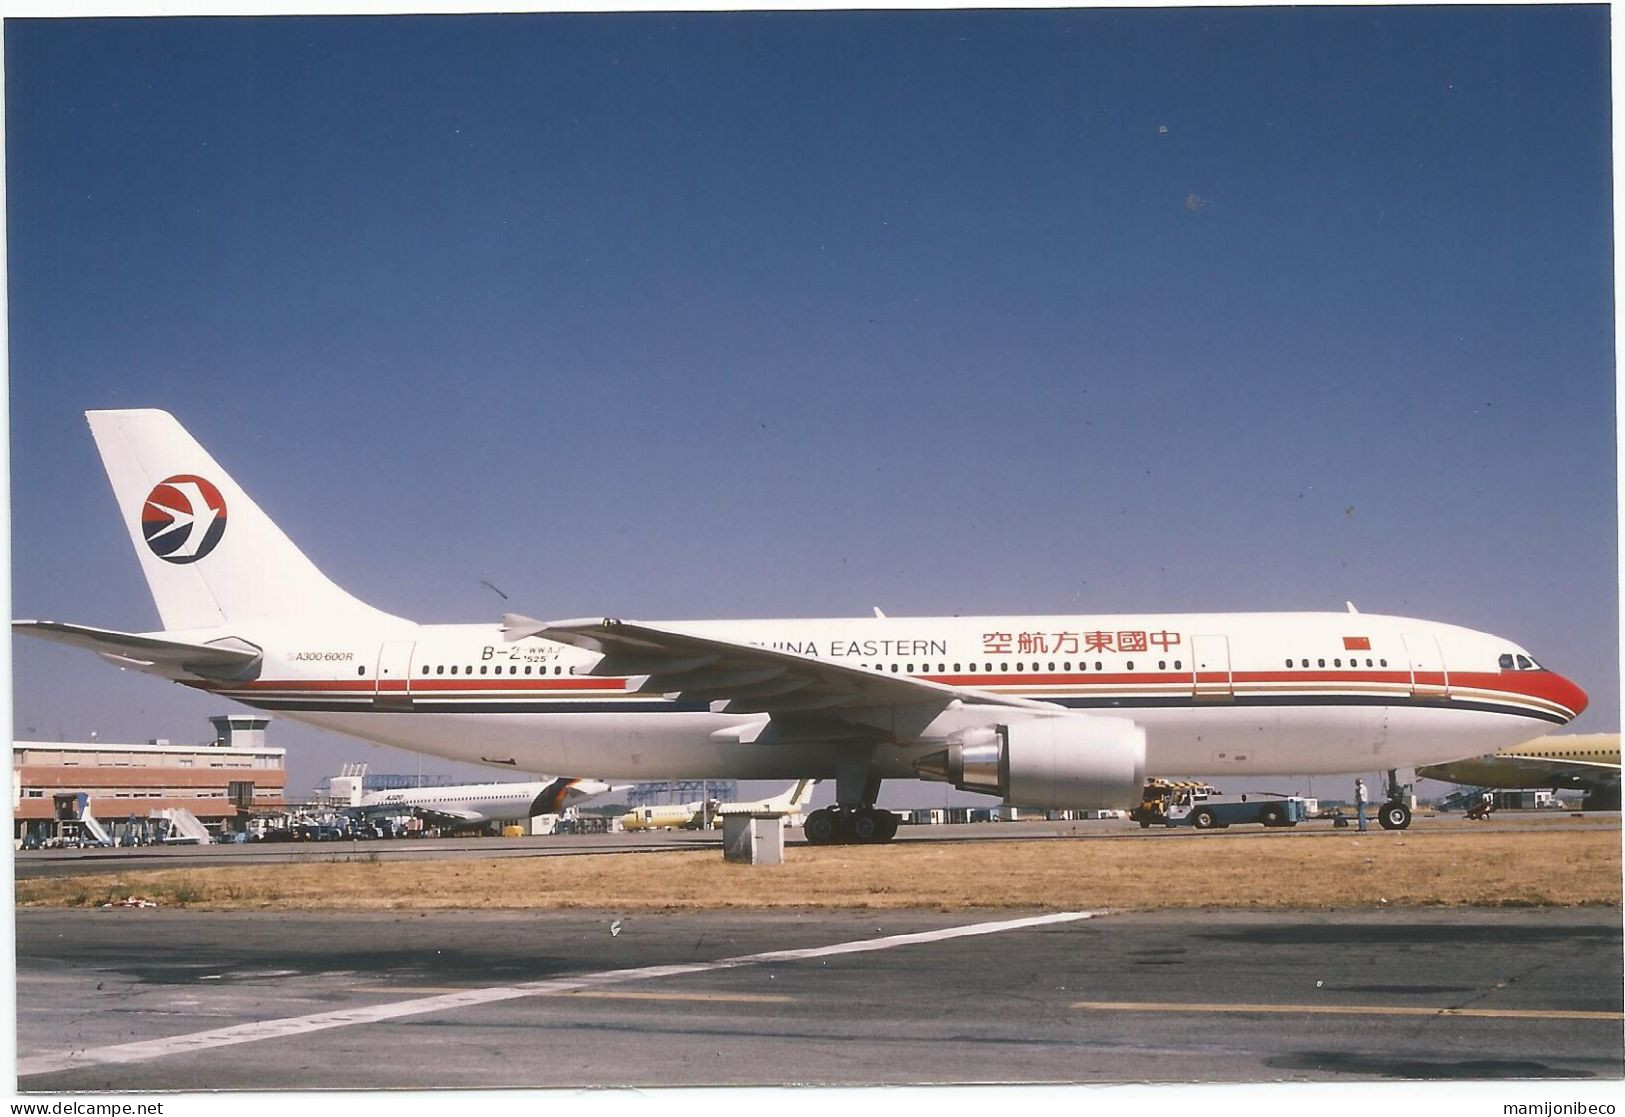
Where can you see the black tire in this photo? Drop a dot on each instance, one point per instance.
(888, 825)
(843, 827)
(1145, 824)
(822, 827)
(866, 826)
(1273, 815)
(1394, 816)
(1202, 819)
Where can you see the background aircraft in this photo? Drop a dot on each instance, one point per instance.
(470, 804)
(692, 816)
(1587, 762)
(792, 801)
(668, 816)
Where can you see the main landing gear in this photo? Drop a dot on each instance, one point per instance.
(854, 820)
(845, 826)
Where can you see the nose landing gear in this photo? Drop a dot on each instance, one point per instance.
(1395, 813)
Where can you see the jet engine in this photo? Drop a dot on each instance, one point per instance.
(1062, 763)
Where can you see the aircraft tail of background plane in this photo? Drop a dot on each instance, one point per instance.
(211, 557)
(799, 795)
(791, 800)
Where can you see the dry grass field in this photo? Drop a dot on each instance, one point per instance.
(1560, 868)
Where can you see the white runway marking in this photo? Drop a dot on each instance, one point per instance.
(372, 1014)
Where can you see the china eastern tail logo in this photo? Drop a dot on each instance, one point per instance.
(183, 519)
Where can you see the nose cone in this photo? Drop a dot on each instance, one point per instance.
(1570, 695)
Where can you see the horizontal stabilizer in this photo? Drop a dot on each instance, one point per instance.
(516, 626)
(230, 658)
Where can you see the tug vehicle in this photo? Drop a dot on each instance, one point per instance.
(1203, 807)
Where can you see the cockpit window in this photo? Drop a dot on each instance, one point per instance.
(1506, 661)
(1525, 663)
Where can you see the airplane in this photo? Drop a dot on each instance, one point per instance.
(668, 816)
(1586, 762)
(788, 803)
(471, 804)
(1064, 712)
(693, 816)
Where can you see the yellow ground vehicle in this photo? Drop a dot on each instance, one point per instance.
(1159, 796)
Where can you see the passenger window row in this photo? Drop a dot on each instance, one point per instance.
(1006, 667)
(1353, 662)
(441, 669)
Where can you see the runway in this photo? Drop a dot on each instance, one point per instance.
(174, 1000)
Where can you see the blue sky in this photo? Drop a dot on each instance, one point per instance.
(673, 316)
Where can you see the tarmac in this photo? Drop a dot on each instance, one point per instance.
(175, 1001)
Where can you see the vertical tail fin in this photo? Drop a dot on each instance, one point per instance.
(210, 555)
(796, 797)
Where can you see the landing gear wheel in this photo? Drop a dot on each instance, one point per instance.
(865, 827)
(822, 827)
(843, 827)
(1394, 816)
(1202, 819)
(835, 826)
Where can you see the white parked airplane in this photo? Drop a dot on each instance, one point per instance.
(1045, 711)
(666, 816)
(788, 803)
(471, 804)
(692, 816)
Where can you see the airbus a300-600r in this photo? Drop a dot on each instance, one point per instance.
(1044, 711)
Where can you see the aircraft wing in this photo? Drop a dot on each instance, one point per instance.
(441, 814)
(744, 679)
(222, 659)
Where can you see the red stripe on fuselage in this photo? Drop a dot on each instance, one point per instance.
(368, 686)
(1543, 686)
(576, 682)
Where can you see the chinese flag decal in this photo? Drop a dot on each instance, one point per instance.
(1356, 643)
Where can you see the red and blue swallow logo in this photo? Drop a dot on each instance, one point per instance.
(183, 519)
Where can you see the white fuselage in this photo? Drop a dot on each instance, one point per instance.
(485, 802)
(1256, 694)
(672, 816)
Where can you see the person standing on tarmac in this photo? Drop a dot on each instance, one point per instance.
(1359, 802)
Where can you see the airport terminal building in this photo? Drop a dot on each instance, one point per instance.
(219, 782)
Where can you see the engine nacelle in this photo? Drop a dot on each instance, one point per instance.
(1061, 763)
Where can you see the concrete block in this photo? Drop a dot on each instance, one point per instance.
(754, 839)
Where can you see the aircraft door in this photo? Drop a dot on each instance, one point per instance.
(1430, 678)
(1211, 679)
(393, 685)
